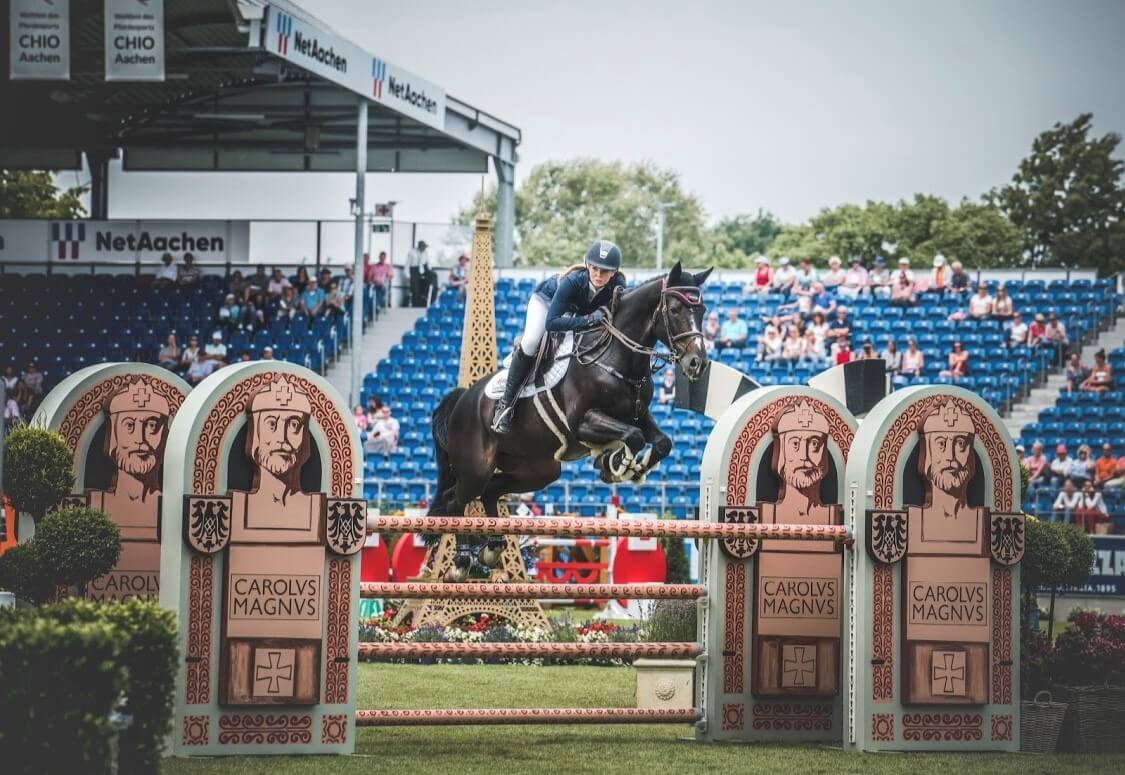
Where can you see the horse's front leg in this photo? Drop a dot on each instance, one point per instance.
(598, 430)
(659, 447)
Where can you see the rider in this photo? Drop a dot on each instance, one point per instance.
(564, 302)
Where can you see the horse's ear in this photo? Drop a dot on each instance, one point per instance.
(702, 276)
(618, 292)
(674, 275)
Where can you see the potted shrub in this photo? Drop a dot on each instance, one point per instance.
(668, 683)
(37, 470)
(1087, 665)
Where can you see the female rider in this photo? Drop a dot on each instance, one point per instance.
(568, 301)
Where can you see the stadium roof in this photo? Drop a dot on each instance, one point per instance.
(230, 103)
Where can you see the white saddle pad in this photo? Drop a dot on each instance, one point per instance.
(495, 387)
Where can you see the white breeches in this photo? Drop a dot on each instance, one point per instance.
(534, 326)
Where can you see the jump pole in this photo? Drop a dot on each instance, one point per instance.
(511, 716)
(537, 591)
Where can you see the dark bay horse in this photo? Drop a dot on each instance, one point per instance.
(600, 408)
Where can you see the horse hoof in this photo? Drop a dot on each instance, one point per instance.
(456, 575)
(490, 555)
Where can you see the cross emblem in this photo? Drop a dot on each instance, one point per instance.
(950, 416)
(948, 673)
(141, 396)
(274, 671)
(804, 416)
(283, 393)
(798, 666)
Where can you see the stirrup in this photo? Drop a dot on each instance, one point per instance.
(501, 421)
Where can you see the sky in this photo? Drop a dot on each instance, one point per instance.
(789, 106)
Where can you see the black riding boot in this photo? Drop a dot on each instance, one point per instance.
(505, 407)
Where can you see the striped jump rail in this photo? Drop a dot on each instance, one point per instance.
(581, 527)
(469, 716)
(521, 591)
(531, 650)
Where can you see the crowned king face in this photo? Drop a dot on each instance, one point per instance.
(280, 414)
(138, 424)
(803, 435)
(948, 434)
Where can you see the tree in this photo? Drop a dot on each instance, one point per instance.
(33, 194)
(978, 235)
(1067, 198)
(734, 242)
(563, 206)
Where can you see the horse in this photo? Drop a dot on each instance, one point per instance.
(599, 409)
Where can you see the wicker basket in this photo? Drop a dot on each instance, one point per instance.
(1095, 718)
(1041, 721)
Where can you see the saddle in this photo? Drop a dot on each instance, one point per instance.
(551, 364)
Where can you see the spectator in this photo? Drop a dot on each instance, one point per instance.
(980, 306)
(1037, 331)
(333, 301)
(382, 437)
(169, 355)
(324, 279)
(190, 353)
(957, 367)
(230, 314)
(267, 353)
(855, 281)
(841, 351)
(733, 333)
(1081, 468)
(959, 281)
(1105, 467)
(913, 362)
(380, 275)
(902, 291)
(1055, 337)
(805, 276)
(11, 379)
(418, 264)
(301, 280)
(763, 277)
(1118, 480)
(819, 327)
(277, 284)
(711, 329)
(459, 276)
(345, 283)
(216, 350)
(1067, 502)
(835, 276)
(189, 272)
(373, 411)
(1002, 304)
(244, 356)
(867, 352)
(259, 282)
(253, 313)
(1037, 464)
(33, 381)
(668, 387)
(1060, 465)
(12, 414)
(1101, 376)
(312, 300)
(813, 351)
(238, 286)
(1092, 510)
(822, 300)
(939, 275)
(841, 326)
(289, 305)
(793, 347)
(1075, 373)
(527, 506)
(167, 274)
(904, 271)
(784, 276)
(200, 369)
(880, 279)
(893, 358)
(360, 418)
(1017, 331)
(770, 345)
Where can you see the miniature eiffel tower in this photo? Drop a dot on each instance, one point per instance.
(478, 359)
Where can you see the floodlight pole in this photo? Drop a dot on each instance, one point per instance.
(660, 208)
(357, 274)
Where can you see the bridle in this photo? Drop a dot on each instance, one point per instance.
(688, 295)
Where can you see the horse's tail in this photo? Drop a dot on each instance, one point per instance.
(439, 426)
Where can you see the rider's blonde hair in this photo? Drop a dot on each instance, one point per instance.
(582, 265)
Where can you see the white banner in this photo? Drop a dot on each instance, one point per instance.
(78, 242)
(39, 40)
(134, 40)
(345, 63)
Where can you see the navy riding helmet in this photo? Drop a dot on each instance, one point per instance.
(604, 255)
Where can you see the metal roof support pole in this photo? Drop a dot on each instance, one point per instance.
(357, 285)
(98, 161)
(505, 212)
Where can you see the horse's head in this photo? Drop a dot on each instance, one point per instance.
(679, 319)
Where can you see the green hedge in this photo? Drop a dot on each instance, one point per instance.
(142, 664)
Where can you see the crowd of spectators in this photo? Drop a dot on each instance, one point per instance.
(23, 390)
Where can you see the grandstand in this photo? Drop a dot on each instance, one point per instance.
(1001, 375)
